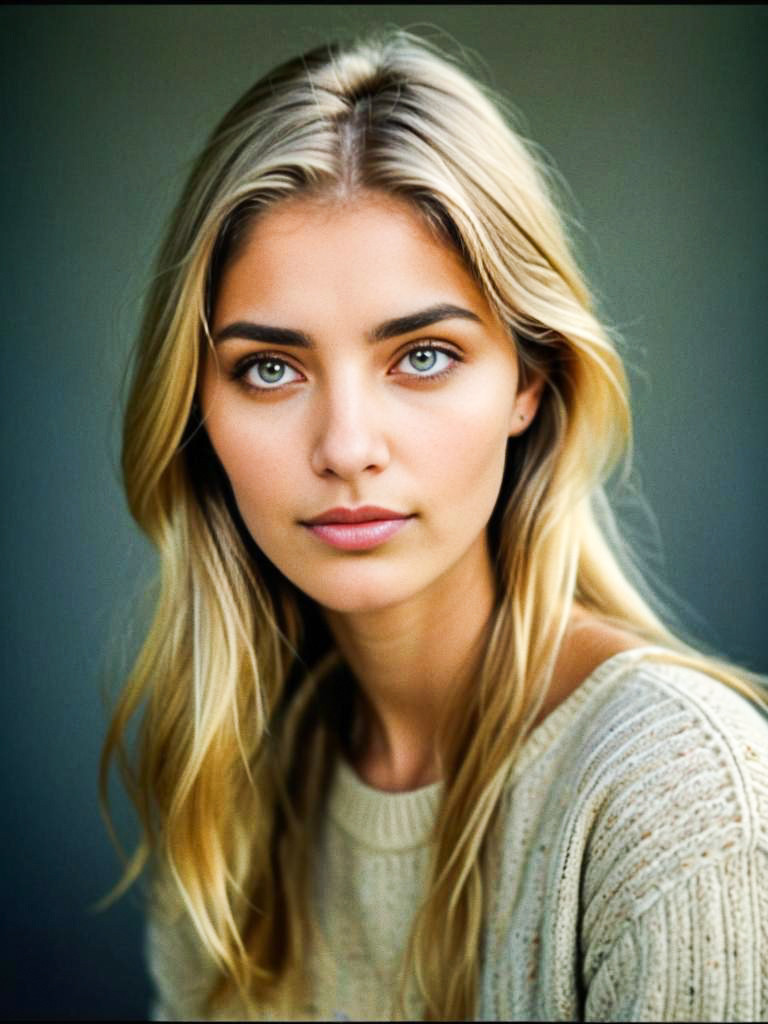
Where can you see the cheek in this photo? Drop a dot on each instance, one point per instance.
(260, 466)
(265, 483)
(465, 459)
(471, 437)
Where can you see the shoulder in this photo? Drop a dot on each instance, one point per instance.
(650, 728)
(640, 814)
(644, 707)
(669, 824)
(668, 776)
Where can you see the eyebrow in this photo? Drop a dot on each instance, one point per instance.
(250, 331)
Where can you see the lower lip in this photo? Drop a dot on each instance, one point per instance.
(358, 536)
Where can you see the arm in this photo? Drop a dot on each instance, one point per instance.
(181, 976)
(698, 952)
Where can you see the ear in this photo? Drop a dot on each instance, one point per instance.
(526, 405)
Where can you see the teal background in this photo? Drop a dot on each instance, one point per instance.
(655, 116)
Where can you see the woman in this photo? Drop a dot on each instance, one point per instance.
(413, 744)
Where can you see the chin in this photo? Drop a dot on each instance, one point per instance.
(355, 595)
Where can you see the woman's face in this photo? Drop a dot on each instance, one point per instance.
(357, 364)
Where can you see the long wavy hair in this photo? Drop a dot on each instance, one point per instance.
(239, 725)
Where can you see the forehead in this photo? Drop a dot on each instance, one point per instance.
(373, 254)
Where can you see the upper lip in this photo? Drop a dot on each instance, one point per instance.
(365, 514)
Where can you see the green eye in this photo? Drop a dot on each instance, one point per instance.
(269, 373)
(422, 358)
(427, 361)
(270, 370)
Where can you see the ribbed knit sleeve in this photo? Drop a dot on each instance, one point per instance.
(180, 971)
(634, 875)
(695, 954)
(675, 869)
(672, 848)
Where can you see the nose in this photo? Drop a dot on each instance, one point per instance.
(349, 436)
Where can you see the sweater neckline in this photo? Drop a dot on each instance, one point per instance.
(403, 820)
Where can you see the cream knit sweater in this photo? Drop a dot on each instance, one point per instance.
(632, 882)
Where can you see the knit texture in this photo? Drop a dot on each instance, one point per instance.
(631, 882)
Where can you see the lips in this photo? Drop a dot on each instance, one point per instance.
(366, 514)
(357, 529)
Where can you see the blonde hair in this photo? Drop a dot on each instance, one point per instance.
(237, 725)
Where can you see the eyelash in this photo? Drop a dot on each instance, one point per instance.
(241, 369)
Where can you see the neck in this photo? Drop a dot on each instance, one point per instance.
(407, 660)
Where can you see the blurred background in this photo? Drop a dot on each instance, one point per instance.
(655, 118)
